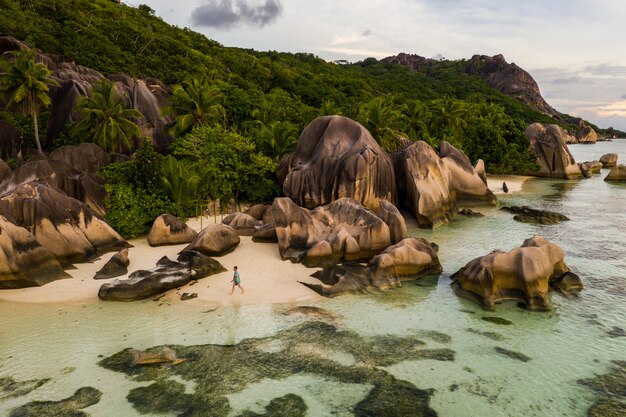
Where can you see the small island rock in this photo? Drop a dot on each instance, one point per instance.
(609, 160)
(617, 173)
(522, 274)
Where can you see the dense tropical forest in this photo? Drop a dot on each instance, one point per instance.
(235, 112)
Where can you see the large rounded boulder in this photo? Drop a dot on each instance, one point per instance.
(24, 262)
(85, 157)
(170, 230)
(553, 156)
(243, 223)
(66, 227)
(85, 187)
(336, 157)
(608, 160)
(342, 230)
(469, 183)
(424, 184)
(214, 240)
(524, 274)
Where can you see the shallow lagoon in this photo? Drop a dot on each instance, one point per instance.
(577, 340)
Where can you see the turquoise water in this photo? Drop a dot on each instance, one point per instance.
(65, 342)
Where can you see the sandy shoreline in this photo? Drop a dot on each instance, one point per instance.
(514, 183)
(266, 278)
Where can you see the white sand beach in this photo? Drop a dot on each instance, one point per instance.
(266, 278)
(514, 183)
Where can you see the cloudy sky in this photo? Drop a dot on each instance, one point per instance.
(575, 49)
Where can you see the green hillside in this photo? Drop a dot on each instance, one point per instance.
(263, 99)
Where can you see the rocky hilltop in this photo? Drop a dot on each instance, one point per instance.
(499, 74)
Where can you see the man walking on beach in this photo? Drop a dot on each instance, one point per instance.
(236, 282)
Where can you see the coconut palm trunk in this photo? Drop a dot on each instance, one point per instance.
(36, 124)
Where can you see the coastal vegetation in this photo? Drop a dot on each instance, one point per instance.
(235, 113)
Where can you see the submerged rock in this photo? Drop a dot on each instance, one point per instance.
(336, 157)
(169, 230)
(526, 214)
(289, 405)
(215, 240)
(617, 173)
(512, 354)
(522, 274)
(610, 391)
(10, 388)
(301, 350)
(82, 398)
(165, 276)
(553, 156)
(115, 267)
(470, 213)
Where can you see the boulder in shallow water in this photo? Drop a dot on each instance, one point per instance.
(553, 156)
(410, 259)
(617, 173)
(470, 213)
(23, 261)
(523, 274)
(432, 181)
(115, 267)
(169, 230)
(336, 157)
(424, 184)
(469, 183)
(609, 160)
(215, 240)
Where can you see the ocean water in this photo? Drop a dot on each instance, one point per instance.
(548, 352)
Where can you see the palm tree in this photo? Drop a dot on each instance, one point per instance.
(447, 116)
(278, 139)
(381, 118)
(195, 103)
(26, 83)
(106, 119)
(183, 179)
(416, 117)
(329, 108)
